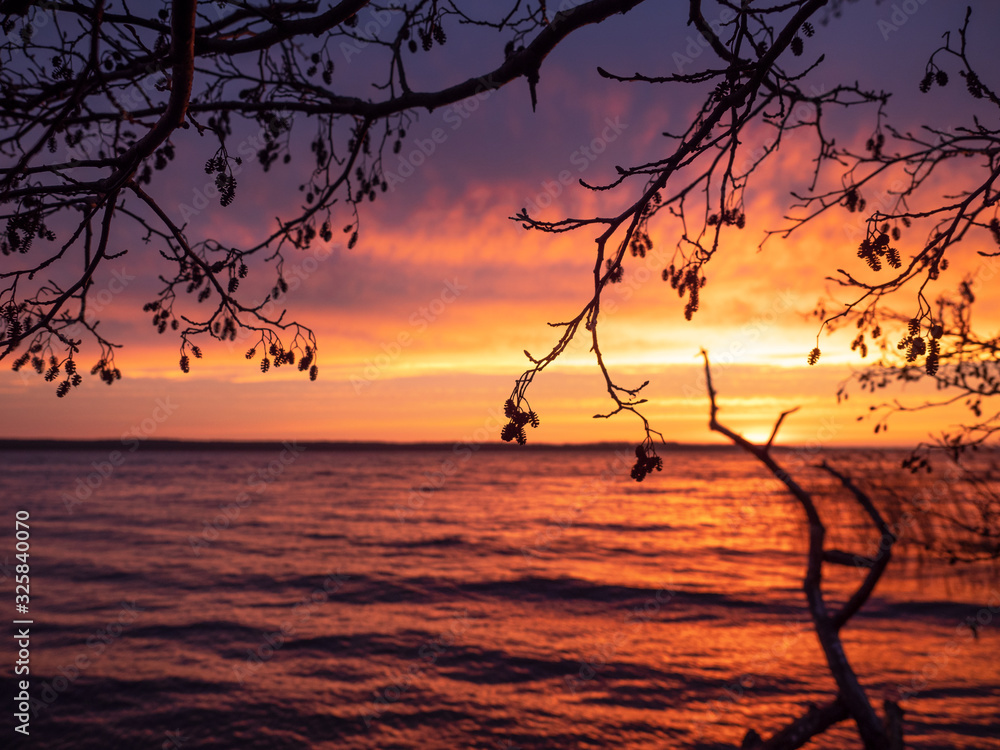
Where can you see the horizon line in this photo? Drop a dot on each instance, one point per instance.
(133, 442)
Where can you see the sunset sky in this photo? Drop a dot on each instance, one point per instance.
(422, 325)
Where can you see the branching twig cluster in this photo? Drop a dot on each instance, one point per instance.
(702, 177)
(92, 101)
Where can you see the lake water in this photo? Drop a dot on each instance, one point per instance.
(464, 598)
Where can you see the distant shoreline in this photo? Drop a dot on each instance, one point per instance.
(27, 444)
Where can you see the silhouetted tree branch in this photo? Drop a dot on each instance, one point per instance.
(851, 701)
(751, 86)
(262, 64)
(709, 193)
(936, 340)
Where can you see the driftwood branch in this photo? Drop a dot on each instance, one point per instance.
(815, 721)
(851, 700)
